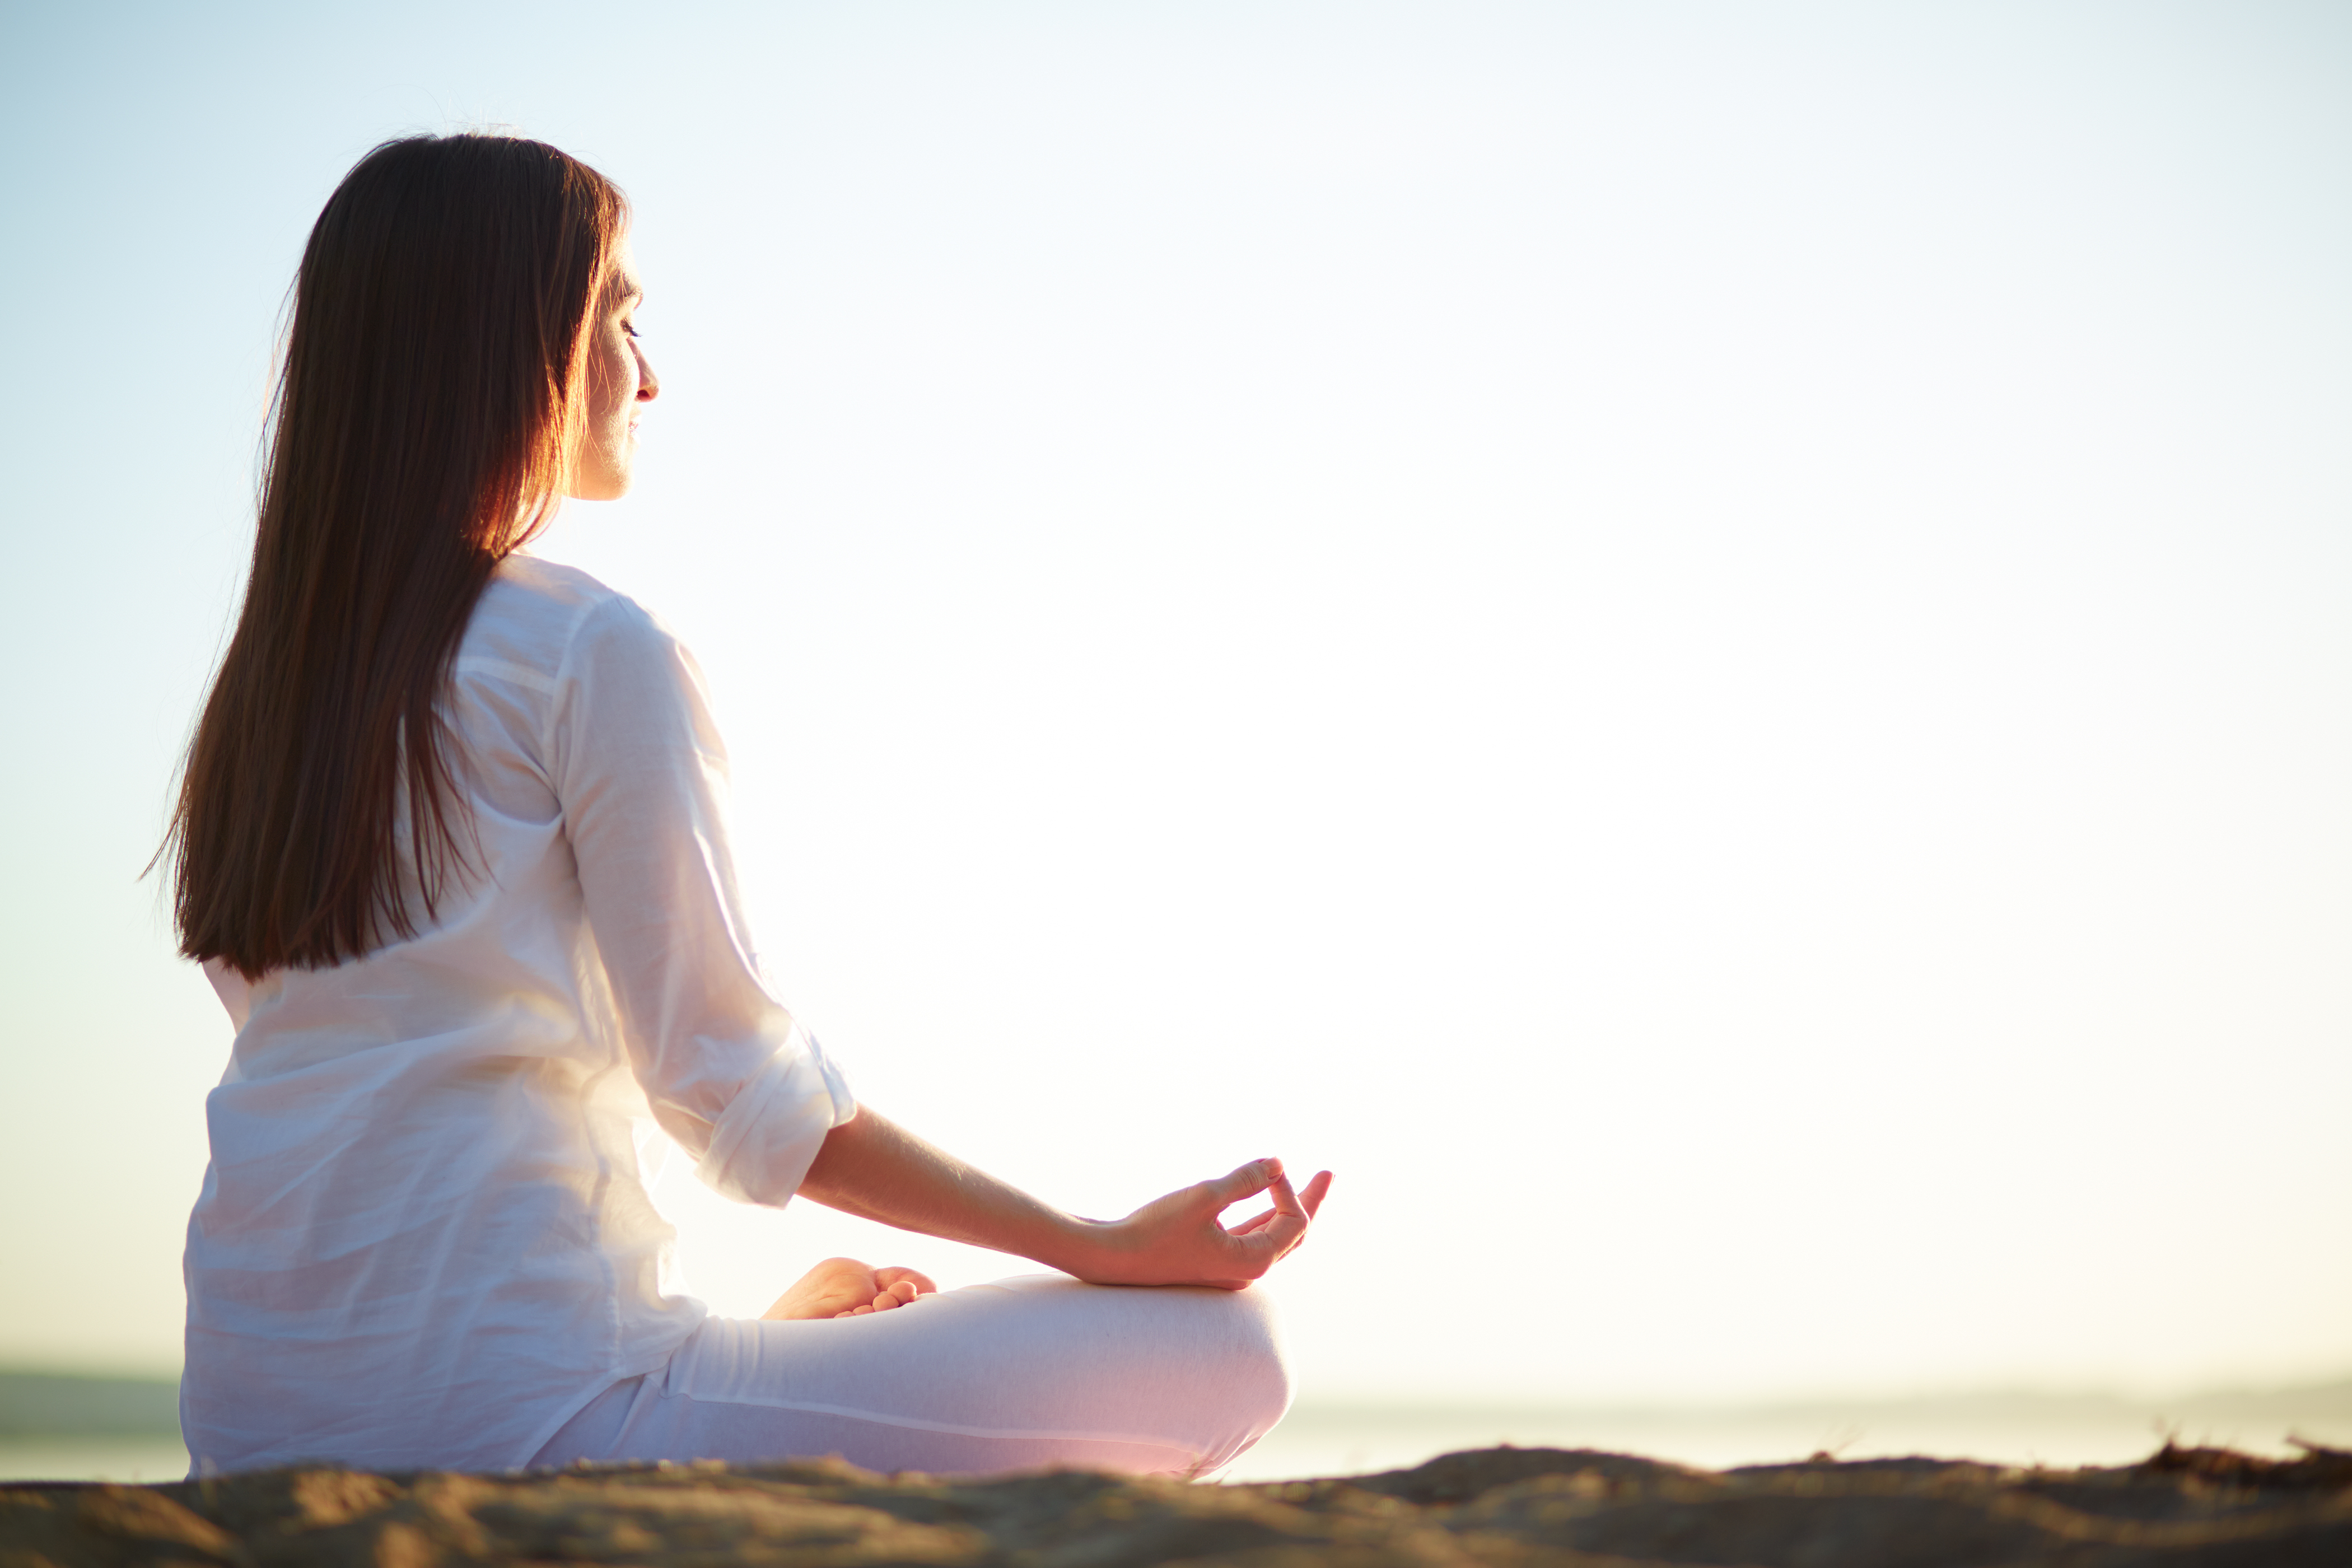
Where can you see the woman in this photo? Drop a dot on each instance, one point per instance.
(451, 844)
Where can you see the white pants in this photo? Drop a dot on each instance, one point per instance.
(1036, 1370)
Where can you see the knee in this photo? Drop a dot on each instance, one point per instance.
(1254, 1373)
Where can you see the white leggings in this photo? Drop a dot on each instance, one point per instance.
(1035, 1370)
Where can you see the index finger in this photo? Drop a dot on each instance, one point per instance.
(1316, 1189)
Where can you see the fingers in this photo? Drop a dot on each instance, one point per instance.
(1286, 1200)
(1257, 1176)
(1308, 1197)
(1311, 1198)
(1253, 1177)
(1308, 1200)
(1268, 1237)
(895, 1292)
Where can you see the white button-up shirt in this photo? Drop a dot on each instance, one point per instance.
(423, 1239)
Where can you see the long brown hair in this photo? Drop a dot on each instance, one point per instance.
(432, 384)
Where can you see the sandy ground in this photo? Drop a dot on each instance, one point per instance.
(1508, 1508)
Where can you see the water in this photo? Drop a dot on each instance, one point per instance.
(2008, 1429)
(158, 1458)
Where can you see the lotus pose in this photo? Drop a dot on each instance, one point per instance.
(452, 844)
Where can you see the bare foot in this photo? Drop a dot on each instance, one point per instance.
(844, 1287)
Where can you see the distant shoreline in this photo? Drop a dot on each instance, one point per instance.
(44, 1403)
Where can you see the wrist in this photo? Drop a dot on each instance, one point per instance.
(1082, 1247)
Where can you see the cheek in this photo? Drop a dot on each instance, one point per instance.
(611, 386)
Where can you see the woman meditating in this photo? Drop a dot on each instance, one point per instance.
(452, 844)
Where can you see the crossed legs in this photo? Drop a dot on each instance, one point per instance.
(1034, 1369)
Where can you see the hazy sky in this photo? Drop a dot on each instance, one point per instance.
(1704, 644)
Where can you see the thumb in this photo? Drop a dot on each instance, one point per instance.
(1253, 1177)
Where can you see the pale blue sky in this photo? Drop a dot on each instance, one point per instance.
(1705, 644)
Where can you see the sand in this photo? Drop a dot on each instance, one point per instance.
(1510, 1508)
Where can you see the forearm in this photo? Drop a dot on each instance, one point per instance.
(872, 1167)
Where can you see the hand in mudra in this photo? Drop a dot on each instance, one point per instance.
(872, 1167)
(1176, 1240)
(844, 1287)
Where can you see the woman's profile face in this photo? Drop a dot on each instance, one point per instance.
(620, 383)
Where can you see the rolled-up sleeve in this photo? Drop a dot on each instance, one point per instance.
(641, 774)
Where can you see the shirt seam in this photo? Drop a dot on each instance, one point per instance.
(571, 637)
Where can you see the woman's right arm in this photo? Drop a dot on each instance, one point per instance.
(641, 774)
(873, 1168)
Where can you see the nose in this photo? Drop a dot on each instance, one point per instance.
(648, 384)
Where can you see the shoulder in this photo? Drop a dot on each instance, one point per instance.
(538, 616)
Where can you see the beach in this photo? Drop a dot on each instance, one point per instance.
(1497, 1507)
